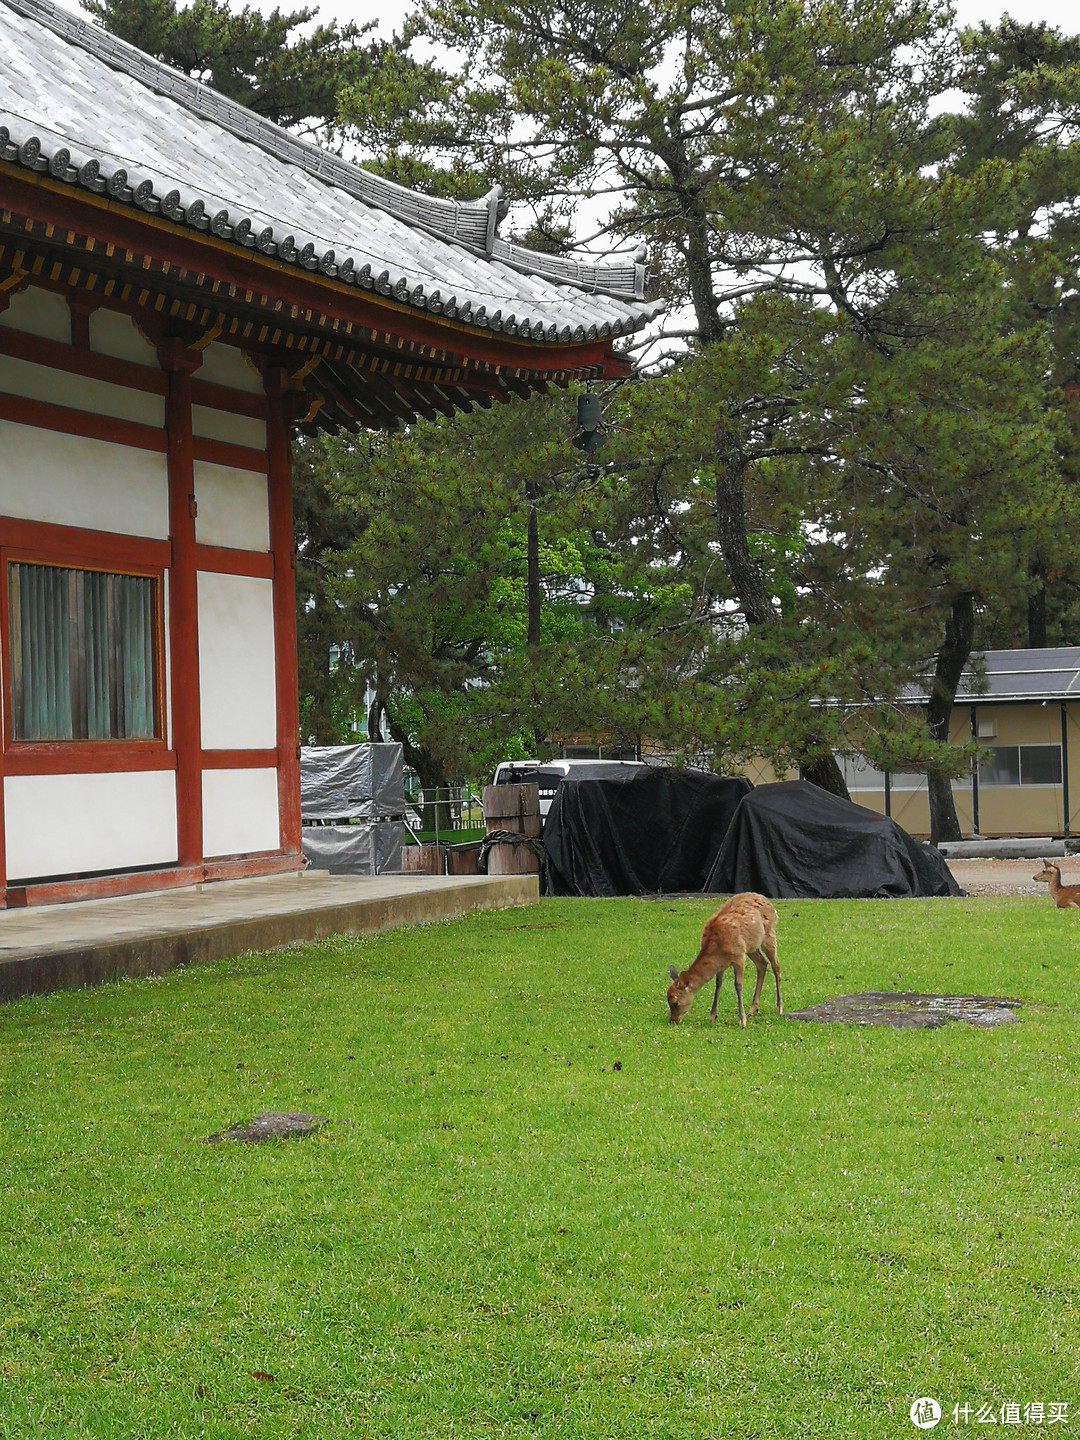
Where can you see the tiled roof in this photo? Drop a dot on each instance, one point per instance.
(1048, 674)
(98, 114)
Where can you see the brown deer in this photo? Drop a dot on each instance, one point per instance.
(1066, 897)
(745, 926)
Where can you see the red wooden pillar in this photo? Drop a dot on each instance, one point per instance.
(279, 479)
(5, 663)
(186, 716)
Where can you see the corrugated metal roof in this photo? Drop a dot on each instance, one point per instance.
(1050, 674)
(94, 112)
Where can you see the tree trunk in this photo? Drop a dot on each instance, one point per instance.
(952, 657)
(745, 574)
(532, 570)
(827, 773)
(375, 718)
(1036, 607)
(748, 582)
(435, 809)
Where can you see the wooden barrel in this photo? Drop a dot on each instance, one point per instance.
(512, 860)
(512, 807)
(463, 859)
(424, 859)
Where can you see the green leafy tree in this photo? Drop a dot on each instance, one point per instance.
(826, 237)
(1022, 87)
(449, 527)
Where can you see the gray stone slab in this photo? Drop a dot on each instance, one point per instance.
(909, 1010)
(272, 1125)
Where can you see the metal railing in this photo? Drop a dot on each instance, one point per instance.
(438, 811)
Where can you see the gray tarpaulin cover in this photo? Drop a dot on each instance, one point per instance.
(354, 849)
(351, 782)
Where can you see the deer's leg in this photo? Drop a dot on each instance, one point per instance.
(760, 965)
(737, 974)
(716, 994)
(769, 946)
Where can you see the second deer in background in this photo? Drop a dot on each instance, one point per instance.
(1066, 897)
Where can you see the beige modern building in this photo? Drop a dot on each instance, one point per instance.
(1025, 714)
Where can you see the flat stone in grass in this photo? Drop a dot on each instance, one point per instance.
(904, 1010)
(273, 1125)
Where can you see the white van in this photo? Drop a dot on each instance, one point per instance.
(548, 774)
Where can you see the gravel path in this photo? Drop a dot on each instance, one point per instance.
(1009, 877)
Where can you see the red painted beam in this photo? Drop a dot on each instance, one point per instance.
(39, 540)
(227, 561)
(87, 757)
(224, 452)
(239, 759)
(60, 892)
(46, 416)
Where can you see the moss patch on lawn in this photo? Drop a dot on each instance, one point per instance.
(789, 1231)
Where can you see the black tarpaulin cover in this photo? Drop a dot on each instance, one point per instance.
(655, 831)
(796, 841)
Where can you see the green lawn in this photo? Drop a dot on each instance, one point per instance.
(788, 1231)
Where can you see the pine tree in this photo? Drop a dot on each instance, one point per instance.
(255, 59)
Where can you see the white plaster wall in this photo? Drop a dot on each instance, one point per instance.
(72, 824)
(224, 425)
(39, 312)
(226, 365)
(81, 392)
(236, 662)
(94, 484)
(240, 812)
(232, 507)
(114, 334)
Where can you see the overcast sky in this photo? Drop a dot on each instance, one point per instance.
(388, 13)
(1062, 13)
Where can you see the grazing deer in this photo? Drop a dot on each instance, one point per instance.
(745, 926)
(1066, 897)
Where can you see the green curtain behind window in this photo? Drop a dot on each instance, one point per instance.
(82, 654)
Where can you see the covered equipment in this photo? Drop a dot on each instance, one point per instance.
(653, 831)
(352, 800)
(796, 841)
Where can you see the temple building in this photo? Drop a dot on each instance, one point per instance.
(182, 284)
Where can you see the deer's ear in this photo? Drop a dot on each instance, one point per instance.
(673, 972)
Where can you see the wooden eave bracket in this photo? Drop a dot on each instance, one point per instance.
(11, 282)
(176, 356)
(282, 374)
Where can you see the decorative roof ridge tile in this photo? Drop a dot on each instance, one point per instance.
(41, 150)
(471, 223)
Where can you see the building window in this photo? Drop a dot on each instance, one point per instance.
(859, 774)
(83, 654)
(1021, 765)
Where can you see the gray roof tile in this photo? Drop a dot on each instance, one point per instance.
(98, 113)
(1033, 675)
